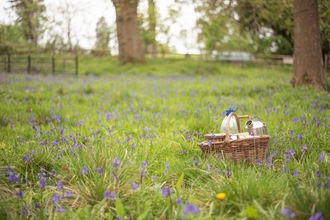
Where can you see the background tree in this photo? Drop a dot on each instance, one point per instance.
(219, 30)
(129, 39)
(102, 38)
(69, 11)
(30, 17)
(308, 63)
(10, 35)
(152, 28)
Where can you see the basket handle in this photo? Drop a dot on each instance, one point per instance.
(242, 116)
(232, 114)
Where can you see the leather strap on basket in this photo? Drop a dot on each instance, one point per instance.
(232, 114)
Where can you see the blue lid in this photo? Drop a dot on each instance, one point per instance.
(231, 109)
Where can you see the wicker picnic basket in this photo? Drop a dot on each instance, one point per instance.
(236, 147)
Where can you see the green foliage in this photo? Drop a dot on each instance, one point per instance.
(30, 17)
(97, 134)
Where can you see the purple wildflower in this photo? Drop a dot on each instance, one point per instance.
(269, 163)
(116, 163)
(19, 194)
(68, 193)
(134, 186)
(110, 195)
(178, 201)
(189, 208)
(317, 216)
(99, 170)
(167, 167)
(25, 211)
(327, 184)
(288, 154)
(209, 166)
(318, 174)
(295, 119)
(166, 191)
(55, 198)
(322, 157)
(84, 171)
(304, 148)
(12, 176)
(295, 173)
(25, 159)
(227, 172)
(287, 213)
(258, 162)
(60, 185)
(60, 209)
(299, 137)
(153, 178)
(195, 162)
(42, 182)
(285, 169)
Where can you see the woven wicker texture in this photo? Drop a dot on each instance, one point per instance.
(252, 148)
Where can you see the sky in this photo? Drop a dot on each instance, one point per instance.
(84, 22)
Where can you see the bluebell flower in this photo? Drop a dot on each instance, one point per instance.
(195, 162)
(317, 216)
(269, 163)
(60, 185)
(99, 170)
(322, 157)
(289, 154)
(189, 208)
(19, 194)
(304, 148)
(84, 171)
(116, 163)
(295, 119)
(299, 137)
(287, 213)
(227, 172)
(327, 184)
(25, 159)
(166, 191)
(295, 173)
(42, 182)
(68, 193)
(12, 176)
(134, 186)
(258, 162)
(55, 198)
(110, 195)
(60, 209)
(178, 201)
(25, 210)
(167, 167)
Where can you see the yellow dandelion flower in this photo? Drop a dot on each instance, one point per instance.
(221, 196)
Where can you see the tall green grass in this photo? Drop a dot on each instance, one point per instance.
(98, 135)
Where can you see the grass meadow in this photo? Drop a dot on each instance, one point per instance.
(122, 143)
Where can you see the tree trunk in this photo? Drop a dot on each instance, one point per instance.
(152, 27)
(129, 39)
(308, 62)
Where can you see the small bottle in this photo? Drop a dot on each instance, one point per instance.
(233, 129)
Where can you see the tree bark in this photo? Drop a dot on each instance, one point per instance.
(308, 62)
(129, 39)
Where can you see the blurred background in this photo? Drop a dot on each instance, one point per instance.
(226, 30)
